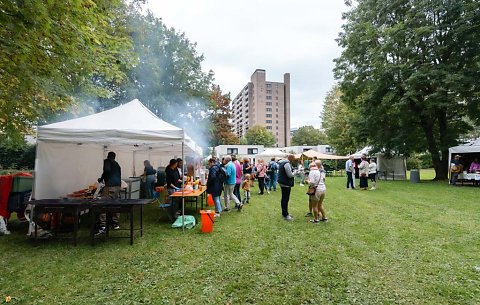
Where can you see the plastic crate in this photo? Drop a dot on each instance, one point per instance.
(21, 184)
(17, 201)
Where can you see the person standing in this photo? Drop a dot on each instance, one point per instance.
(261, 171)
(112, 178)
(248, 168)
(149, 174)
(350, 170)
(363, 172)
(286, 180)
(246, 185)
(230, 184)
(238, 176)
(215, 184)
(372, 173)
(475, 169)
(172, 176)
(180, 168)
(272, 172)
(455, 168)
(316, 178)
(301, 174)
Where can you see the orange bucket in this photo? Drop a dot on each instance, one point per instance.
(207, 220)
(210, 201)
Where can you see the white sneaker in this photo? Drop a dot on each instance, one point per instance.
(372, 189)
(216, 215)
(301, 184)
(288, 218)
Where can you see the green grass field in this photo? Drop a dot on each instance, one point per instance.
(401, 244)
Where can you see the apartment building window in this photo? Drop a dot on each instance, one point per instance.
(232, 151)
(252, 151)
(268, 115)
(277, 127)
(277, 109)
(276, 98)
(269, 104)
(269, 85)
(277, 121)
(268, 109)
(276, 103)
(269, 97)
(269, 127)
(268, 121)
(277, 134)
(277, 115)
(269, 91)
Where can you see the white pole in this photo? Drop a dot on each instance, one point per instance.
(183, 185)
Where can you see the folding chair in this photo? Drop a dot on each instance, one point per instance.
(164, 203)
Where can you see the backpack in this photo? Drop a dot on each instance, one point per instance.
(222, 174)
(272, 167)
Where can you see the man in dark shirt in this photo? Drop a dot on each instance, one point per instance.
(286, 180)
(112, 177)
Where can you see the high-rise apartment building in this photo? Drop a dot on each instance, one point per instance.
(264, 103)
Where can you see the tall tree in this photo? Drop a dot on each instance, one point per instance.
(168, 78)
(308, 135)
(220, 115)
(49, 50)
(340, 122)
(259, 135)
(411, 68)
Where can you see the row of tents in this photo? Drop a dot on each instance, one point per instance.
(70, 153)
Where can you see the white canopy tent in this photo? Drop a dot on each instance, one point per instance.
(270, 153)
(395, 166)
(70, 153)
(309, 154)
(467, 151)
(469, 148)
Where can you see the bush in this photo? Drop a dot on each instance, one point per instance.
(19, 157)
(419, 161)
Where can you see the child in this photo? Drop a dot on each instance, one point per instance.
(246, 185)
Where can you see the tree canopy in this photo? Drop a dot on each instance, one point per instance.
(51, 50)
(339, 122)
(221, 128)
(259, 135)
(308, 135)
(410, 69)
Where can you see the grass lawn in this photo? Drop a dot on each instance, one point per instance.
(401, 244)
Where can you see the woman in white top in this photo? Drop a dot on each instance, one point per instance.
(363, 171)
(372, 173)
(316, 178)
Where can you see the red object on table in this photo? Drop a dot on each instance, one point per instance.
(184, 192)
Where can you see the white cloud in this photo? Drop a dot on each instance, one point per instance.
(283, 36)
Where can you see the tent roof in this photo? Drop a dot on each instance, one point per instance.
(128, 124)
(313, 153)
(271, 152)
(466, 148)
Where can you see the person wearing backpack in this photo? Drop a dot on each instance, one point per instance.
(216, 178)
(286, 180)
(272, 173)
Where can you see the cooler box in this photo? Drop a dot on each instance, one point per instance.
(21, 184)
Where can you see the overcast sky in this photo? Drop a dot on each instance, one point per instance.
(237, 37)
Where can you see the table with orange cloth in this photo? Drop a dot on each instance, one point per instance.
(192, 196)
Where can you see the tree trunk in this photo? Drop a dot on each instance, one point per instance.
(439, 165)
(442, 172)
